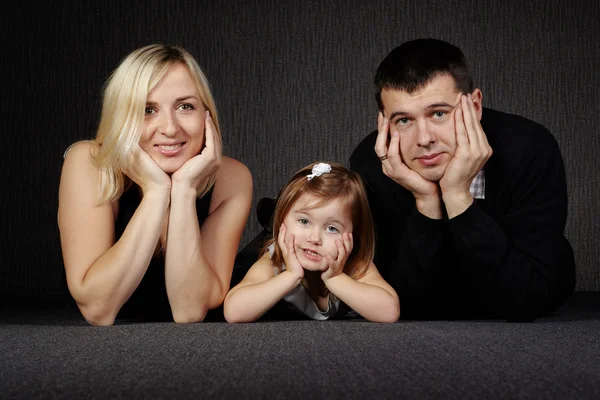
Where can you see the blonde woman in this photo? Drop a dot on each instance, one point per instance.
(150, 212)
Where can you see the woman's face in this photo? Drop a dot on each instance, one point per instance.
(174, 120)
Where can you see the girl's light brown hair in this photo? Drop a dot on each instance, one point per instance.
(341, 184)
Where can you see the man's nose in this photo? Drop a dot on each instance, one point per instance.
(424, 135)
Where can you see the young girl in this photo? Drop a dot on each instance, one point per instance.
(322, 255)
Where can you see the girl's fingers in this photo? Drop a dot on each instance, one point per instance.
(348, 242)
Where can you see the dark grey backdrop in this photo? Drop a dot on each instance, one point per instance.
(293, 84)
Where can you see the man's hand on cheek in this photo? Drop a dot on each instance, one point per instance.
(392, 164)
(472, 152)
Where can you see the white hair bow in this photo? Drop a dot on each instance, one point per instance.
(318, 170)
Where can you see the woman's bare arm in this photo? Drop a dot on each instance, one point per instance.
(102, 274)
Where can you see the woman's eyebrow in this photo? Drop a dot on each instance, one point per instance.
(177, 100)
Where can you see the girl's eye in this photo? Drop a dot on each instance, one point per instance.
(303, 221)
(149, 110)
(332, 229)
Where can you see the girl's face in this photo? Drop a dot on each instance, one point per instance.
(316, 229)
(174, 120)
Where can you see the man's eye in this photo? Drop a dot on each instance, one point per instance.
(402, 123)
(439, 114)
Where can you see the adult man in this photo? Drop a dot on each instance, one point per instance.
(469, 203)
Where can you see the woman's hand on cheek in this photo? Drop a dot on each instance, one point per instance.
(145, 172)
(200, 167)
(336, 264)
(288, 250)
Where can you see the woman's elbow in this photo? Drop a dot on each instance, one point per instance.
(97, 315)
(190, 314)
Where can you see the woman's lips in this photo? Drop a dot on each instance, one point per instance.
(169, 149)
(431, 159)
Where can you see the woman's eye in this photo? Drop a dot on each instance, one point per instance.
(186, 107)
(303, 221)
(332, 229)
(149, 110)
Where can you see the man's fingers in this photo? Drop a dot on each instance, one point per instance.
(382, 136)
(393, 153)
(462, 140)
(468, 111)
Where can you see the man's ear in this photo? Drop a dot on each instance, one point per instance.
(477, 96)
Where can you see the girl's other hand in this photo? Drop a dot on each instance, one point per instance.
(336, 264)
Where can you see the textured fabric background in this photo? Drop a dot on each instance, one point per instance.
(293, 83)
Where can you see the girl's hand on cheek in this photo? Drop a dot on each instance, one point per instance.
(145, 172)
(288, 249)
(336, 264)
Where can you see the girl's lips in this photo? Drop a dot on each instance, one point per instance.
(169, 150)
(311, 255)
(430, 159)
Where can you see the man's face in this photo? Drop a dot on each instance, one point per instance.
(424, 120)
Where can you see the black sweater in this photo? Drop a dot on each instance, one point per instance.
(505, 257)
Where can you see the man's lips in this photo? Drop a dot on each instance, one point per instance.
(430, 159)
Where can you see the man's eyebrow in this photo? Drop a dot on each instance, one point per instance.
(441, 104)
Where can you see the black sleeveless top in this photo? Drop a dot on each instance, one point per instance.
(149, 301)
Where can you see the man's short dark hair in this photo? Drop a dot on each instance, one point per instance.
(415, 63)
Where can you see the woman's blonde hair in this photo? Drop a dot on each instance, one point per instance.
(123, 110)
(341, 184)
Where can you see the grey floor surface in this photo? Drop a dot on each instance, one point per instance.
(53, 353)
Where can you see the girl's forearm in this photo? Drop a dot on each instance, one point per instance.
(371, 302)
(248, 303)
